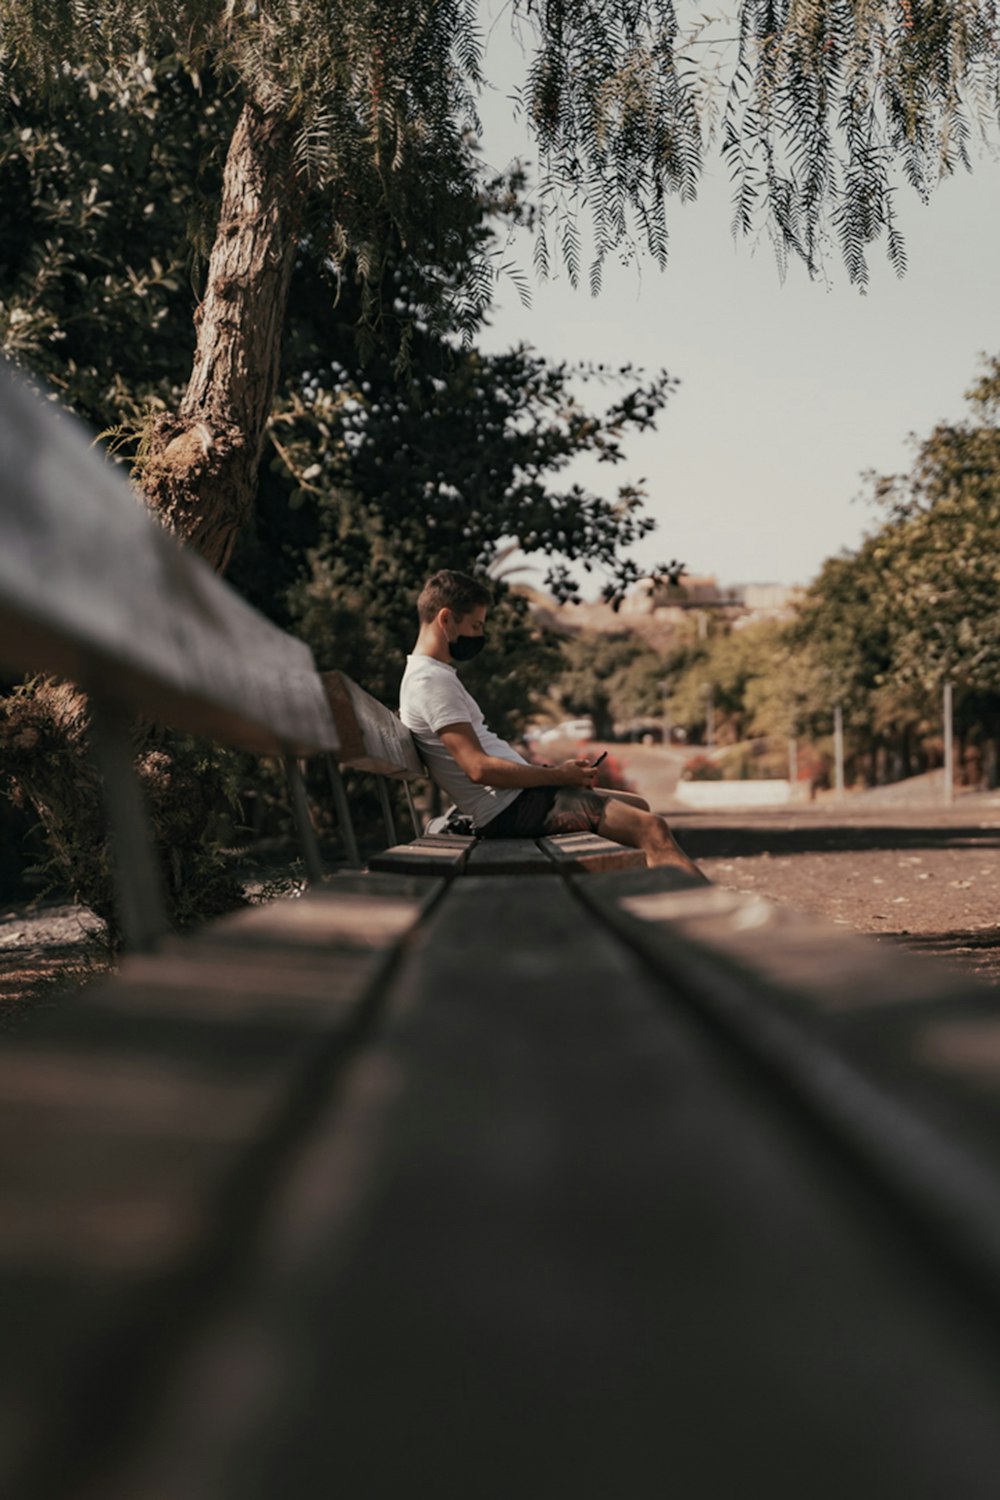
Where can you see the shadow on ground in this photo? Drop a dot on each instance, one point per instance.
(745, 841)
(974, 950)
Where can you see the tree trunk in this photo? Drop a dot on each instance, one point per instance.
(201, 475)
(201, 479)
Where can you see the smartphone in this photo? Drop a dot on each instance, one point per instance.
(602, 756)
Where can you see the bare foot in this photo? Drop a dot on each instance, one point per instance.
(673, 856)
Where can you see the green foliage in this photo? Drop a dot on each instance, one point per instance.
(848, 624)
(377, 100)
(370, 481)
(823, 103)
(940, 557)
(614, 109)
(828, 100)
(101, 216)
(918, 603)
(731, 664)
(190, 789)
(790, 698)
(610, 677)
(374, 482)
(826, 103)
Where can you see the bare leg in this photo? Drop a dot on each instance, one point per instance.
(646, 831)
(631, 797)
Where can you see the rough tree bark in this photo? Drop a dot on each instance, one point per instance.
(201, 478)
(201, 474)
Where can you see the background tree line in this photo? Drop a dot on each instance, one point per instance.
(879, 632)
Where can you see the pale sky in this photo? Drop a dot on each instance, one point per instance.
(789, 393)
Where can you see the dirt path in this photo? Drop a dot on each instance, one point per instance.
(929, 880)
(894, 862)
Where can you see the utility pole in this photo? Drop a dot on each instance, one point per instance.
(793, 762)
(709, 717)
(949, 743)
(665, 711)
(838, 748)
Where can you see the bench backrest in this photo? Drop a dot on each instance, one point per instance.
(371, 736)
(94, 589)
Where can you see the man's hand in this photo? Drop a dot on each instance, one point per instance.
(576, 773)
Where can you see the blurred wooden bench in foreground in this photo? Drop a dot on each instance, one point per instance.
(560, 1180)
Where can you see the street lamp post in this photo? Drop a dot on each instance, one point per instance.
(665, 710)
(949, 743)
(838, 748)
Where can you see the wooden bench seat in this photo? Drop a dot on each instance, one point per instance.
(567, 852)
(522, 1152)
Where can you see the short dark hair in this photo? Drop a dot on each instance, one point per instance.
(450, 590)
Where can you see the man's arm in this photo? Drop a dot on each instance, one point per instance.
(492, 770)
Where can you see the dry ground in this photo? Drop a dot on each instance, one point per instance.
(46, 950)
(895, 862)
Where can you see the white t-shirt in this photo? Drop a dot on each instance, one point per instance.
(432, 697)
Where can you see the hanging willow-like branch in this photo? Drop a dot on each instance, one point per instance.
(830, 103)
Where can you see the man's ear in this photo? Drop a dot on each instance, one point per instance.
(443, 618)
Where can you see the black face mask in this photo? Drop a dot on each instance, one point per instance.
(466, 647)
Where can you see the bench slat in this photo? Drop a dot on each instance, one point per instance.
(372, 738)
(422, 857)
(508, 857)
(898, 1056)
(590, 852)
(591, 1240)
(138, 1126)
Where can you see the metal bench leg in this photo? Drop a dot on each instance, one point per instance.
(138, 880)
(417, 830)
(383, 795)
(303, 821)
(343, 811)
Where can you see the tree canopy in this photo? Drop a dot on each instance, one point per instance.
(821, 103)
(885, 626)
(368, 481)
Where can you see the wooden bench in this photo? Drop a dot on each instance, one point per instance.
(589, 1184)
(371, 738)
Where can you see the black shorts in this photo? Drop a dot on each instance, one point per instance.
(540, 811)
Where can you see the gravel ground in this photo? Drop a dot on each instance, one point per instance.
(927, 878)
(46, 951)
(894, 862)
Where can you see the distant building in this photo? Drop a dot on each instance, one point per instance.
(768, 601)
(656, 612)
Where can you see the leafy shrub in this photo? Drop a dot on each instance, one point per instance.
(701, 768)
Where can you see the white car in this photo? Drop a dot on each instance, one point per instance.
(569, 729)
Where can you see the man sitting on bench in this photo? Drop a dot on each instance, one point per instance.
(504, 795)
